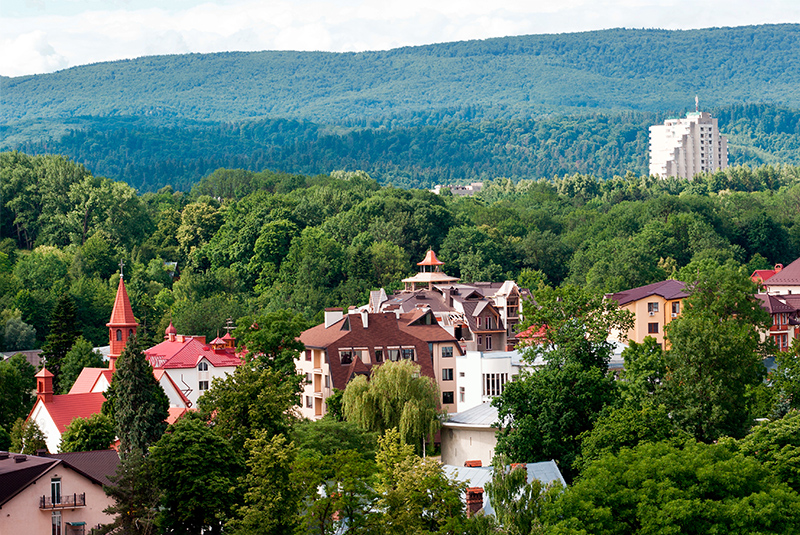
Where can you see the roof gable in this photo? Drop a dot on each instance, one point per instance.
(788, 276)
(17, 476)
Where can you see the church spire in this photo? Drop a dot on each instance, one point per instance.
(122, 324)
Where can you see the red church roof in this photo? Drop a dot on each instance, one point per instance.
(187, 352)
(122, 313)
(88, 378)
(65, 408)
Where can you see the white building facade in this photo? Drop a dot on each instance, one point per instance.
(688, 146)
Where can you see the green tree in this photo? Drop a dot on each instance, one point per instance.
(776, 445)
(328, 436)
(644, 372)
(17, 383)
(518, 505)
(272, 339)
(396, 396)
(61, 338)
(414, 494)
(661, 488)
(135, 494)
(197, 470)
(248, 401)
(547, 409)
(136, 401)
(272, 495)
(715, 352)
(786, 378)
(80, 356)
(88, 434)
(27, 437)
(18, 335)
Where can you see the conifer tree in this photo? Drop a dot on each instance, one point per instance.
(61, 338)
(136, 401)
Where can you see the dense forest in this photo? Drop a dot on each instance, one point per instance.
(150, 157)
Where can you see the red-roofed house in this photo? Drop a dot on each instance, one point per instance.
(653, 306)
(761, 275)
(785, 281)
(785, 313)
(191, 363)
(346, 345)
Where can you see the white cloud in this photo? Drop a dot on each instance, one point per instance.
(36, 39)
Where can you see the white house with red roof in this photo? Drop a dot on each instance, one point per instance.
(53, 413)
(784, 281)
(191, 363)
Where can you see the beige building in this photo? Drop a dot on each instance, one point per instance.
(653, 307)
(685, 147)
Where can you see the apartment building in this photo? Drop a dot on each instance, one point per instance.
(684, 147)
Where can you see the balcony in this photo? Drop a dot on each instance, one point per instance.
(67, 501)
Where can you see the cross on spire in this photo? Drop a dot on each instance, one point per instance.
(121, 265)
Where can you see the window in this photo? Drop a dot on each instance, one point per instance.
(379, 355)
(308, 355)
(493, 383)
(480, 340)
(461, 394)
(461, 374)
(676, 308)
(479, 322)
(782, 341)
(447, 374)
(652, 328)
(119, 335)
(345, 356)
(308, 378)
(56, 523)
(447, 398)
(488, 342)
(447, 352)
(327, 381)
(309, 402)
(202, 367)
(408, 354)
(202, 385)
(55, 490)
(652, 308)
(393, 354)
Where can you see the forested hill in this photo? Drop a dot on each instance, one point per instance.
(517, 107)
(653, 70)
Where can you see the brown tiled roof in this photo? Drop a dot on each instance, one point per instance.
(668, 289)
(788, 276)
(17, 476)
(95, 465)
(775, 304)
(383, 330)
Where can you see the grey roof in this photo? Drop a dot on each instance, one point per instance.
(546, 472)
(483, 415)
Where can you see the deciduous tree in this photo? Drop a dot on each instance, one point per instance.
(88, 434)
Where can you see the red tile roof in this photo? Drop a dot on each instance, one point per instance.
(430, 260)
(788, 276)
(668, 289)
(188, 354)
(122, 313)
(65, 408)
(88, 378)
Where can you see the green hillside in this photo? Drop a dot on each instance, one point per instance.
(517, 107)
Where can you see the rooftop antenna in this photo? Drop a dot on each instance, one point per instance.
(696, 103)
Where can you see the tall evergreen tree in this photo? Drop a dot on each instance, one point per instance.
(63, 333)
(137, 402)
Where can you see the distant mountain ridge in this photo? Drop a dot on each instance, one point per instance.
(521, 107)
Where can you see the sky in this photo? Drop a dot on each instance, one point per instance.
(39, 36)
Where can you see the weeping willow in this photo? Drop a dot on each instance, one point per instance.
(395, 396)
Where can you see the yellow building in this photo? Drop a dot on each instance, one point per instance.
(653, 307)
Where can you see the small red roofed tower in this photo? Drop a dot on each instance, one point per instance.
(44, 385)
(122, 325)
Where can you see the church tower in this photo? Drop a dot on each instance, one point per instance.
(122, 325)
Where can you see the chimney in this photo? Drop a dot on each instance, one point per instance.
(778, 268)
(44, 386)
(332, 315)
(473, 464)
(521, 466)
(474, 500)
(365, 318)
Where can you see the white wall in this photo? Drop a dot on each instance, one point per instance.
(461, 444)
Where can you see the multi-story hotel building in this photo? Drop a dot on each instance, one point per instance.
(688, 146)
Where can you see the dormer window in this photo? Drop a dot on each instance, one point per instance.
(202, 367)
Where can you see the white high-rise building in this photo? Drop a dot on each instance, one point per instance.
(686, 147)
